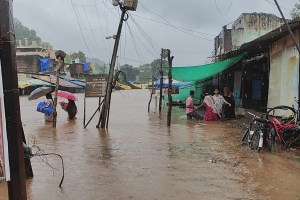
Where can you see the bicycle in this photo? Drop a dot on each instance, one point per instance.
(288, 133)
(256, 133)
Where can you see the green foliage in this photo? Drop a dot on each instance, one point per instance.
(149, 70)
(130, 72)
(23, 32)
(79, 55)
(295, 11)
(100, 69)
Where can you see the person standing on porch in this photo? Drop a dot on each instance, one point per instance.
(229, 111)
(219, 101)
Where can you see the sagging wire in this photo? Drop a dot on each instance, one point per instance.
(219, 10)
(36, 152)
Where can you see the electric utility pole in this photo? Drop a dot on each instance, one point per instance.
(288, 26)
(16, 186)
(104, 116)
(161, 80)
(170, 61)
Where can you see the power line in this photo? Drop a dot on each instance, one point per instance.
(134, 43)
(144, 34)
(168, 24)
(219, 10)
(93, 35)
(81, 29)
(130, 60)
(270, 2)
(101, 27)
(173, 25)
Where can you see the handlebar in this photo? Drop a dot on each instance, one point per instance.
(259, 119)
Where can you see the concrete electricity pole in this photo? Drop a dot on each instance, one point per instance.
(104, 116)
(16, 186)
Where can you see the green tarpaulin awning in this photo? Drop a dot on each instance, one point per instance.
(200, 72)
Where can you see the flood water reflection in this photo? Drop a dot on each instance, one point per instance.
(140, 158)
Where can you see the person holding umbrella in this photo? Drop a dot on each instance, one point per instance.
(49, 102)
(45, 107)
(70, 108)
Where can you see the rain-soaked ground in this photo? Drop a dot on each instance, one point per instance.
(140, 158)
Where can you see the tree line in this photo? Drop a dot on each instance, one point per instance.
(144, 72)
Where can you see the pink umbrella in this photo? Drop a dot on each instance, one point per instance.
(66, 95)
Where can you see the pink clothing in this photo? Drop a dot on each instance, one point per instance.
(211, 113)
(189, 105)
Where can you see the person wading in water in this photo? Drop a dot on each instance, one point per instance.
(191, 110)
(70, 108)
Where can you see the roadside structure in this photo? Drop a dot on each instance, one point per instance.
(269, 73)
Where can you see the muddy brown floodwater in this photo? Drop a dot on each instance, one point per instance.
(140, 158)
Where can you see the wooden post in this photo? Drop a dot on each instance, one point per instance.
(151, 94)
(161, 81)
(16, 186)
(60, 55)
(170, 59)
(84, 105)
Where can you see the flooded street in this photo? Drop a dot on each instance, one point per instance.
(140, 158)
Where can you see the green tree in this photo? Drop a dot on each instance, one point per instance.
(23, 32)
(130, 72)
(80, 55)
(296, 11)
(97, 68)
(149, 70)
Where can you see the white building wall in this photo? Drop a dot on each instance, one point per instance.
(250, 26)
(284, 73)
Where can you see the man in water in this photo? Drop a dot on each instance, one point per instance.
(191, 110)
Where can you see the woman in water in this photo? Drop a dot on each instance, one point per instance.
(49, 102)
(211, 113)
(70, 108)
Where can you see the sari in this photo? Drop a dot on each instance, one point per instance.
(211, 113)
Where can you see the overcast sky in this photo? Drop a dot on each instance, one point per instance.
(156, 24)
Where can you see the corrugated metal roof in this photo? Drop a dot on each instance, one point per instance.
(52, 79)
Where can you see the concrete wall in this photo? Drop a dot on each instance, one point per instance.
(223, 42)
(250, 26)
(27, 63)
(284, 72)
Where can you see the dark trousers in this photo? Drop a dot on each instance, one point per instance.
(194, 114)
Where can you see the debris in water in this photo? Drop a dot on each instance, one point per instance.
(236, 163)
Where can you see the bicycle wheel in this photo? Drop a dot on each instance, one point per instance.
(270, 139)
(255, 140)
(245, 136)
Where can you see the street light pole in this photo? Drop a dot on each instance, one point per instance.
(107, 99)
